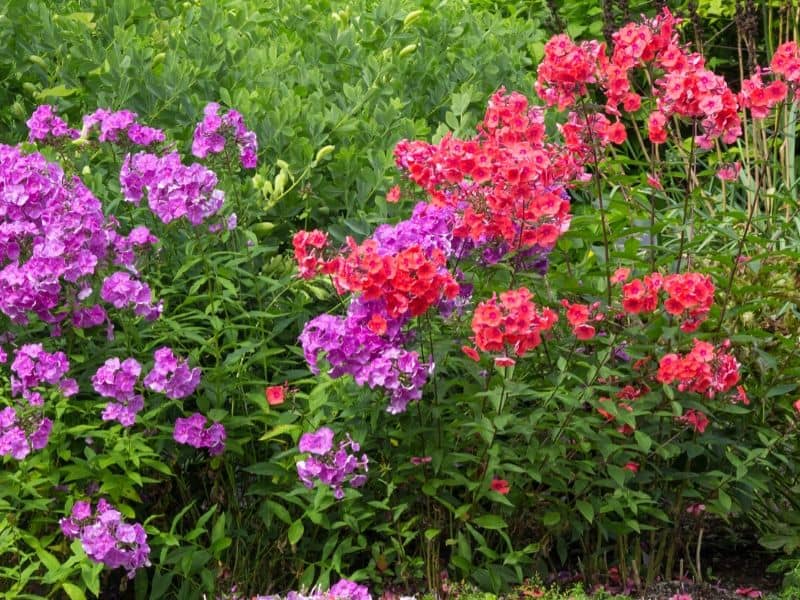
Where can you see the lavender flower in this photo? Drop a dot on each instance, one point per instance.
(113, 124)
(192, 432)
(106, 537)
(172, 376)
(213, 133)
(332, 466)
(44, 124)
(173, 189)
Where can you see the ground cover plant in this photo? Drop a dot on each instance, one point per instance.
(562, 340)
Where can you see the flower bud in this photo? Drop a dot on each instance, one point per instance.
(29, 87)
(86, 171)
(159, 58)
(323, 152)
(407, 50)
(282, 165)
(411, 17)
(37, 60)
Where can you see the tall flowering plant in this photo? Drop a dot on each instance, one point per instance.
(91, 408)
(577, 400)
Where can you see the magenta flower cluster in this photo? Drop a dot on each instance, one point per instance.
(192, 431)
(53, 237)
(20, 433)
(171, 375)
(115, 127)
(121, 290)
(333, 466)
(44, 124)
(173, 189)
(117, 379)
(106, 537)
(344, 589)
(214, 132)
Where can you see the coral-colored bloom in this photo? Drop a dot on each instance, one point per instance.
(275, 394)
(471, 353)
(393, 195)
(621, 275)
(500, 486)
(631, 466)
(696, 419)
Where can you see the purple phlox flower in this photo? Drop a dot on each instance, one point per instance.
(345, 589)
(112, 124)
(33, 366)
(172, 376)
(333, 466)
(19, 433)
(174, 190)
(121, 290)
(106, 537)
(44, 124)
(213, 133)
(117, 380)
(192, 431)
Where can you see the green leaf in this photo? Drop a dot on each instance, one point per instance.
(58, 91)
(296, 531)
(586, 509)
(551, 518)
(490, 522)
(73, 591)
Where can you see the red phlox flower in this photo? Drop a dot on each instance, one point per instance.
(513, 324)
(786, 61)
(696, 419)
(690, 296)
(641, 295)
(308, 252)
(275, 394)
(729, 172)
(393, 195)
(705, 370)
(500, 486)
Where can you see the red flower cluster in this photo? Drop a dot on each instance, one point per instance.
(705, 370)
(760, 98)
(697, 419)
(507, 182)
(686, 88)
(786, 62)
(513, 325)
(309, 247)
(579, 315)
(690, 295)
(566, 69)
(641, 295)
(409, 282)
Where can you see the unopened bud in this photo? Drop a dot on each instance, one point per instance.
(86, 170)
(159, 58)
(411, 17)
(37, 60)
(282, 165)
(323, 152)
(407, 50)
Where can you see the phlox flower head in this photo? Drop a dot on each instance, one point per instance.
(192, 431)
(33, 366)
(331, 464)
(23, 431)
(106, 537)
(215, 131)
(511, 323)
(120, 127)
(53, 236)
(44, 124)
(122, 290)
(171, 375)
(174, 190)
(116, 379)
(706, 369)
